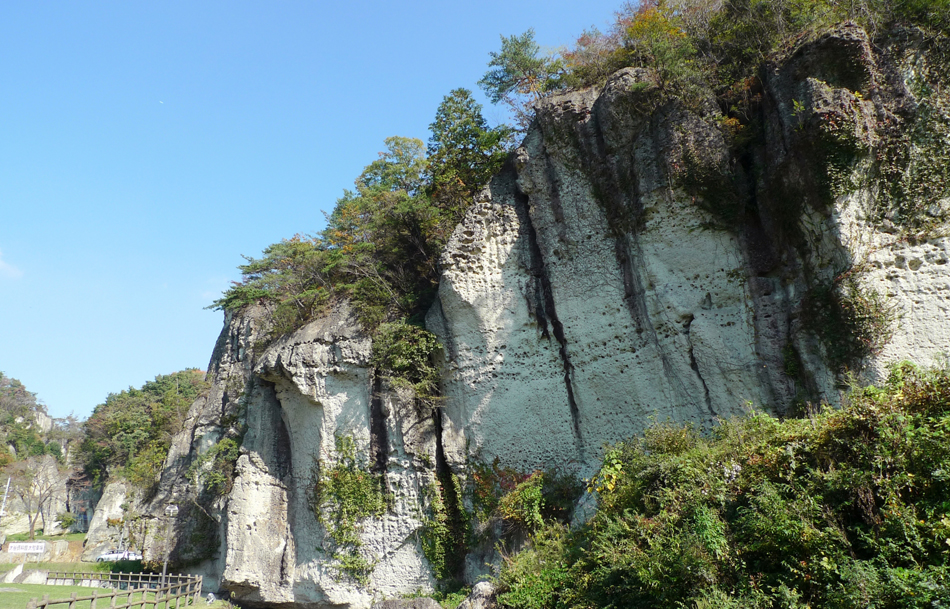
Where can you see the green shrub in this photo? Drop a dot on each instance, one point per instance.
(66, 519)
(489, 483)
(523, 505)
(497, 490)
(539, 576)
(852, 321)
(446, 528)
(404, 353)
(215, 467)
(846, 508)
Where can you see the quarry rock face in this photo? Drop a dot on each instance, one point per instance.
(574, 309)
(624, 267)
(295, 399)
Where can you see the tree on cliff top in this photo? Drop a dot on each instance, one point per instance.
(520, 75)
(464, 153)
(382, 242)
(687, 44)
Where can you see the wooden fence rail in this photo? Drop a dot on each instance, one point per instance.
(113, 580)
(134, 589)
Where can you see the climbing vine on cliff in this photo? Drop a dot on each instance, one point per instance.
(343, 493)
(853, 321)
(446, 527)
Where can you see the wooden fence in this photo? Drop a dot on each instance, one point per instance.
(123, 590)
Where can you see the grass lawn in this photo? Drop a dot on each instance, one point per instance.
(10, 599)
(16, 596)
(41, 537)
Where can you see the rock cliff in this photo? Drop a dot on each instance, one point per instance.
(631, 262)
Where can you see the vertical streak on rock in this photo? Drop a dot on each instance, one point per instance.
(616, 186)
(457, 540)
(378, 437)
(695, 366)
(281, 448)
(546, 311)
(636, 305)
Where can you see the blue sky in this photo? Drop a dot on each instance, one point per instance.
(147, 145)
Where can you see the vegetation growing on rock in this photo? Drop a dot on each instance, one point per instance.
(344, 492)
(403, 353)
(446, 529)
(20, 432)
(853, 321)
(690, 49)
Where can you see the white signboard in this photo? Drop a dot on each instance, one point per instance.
(35, 547)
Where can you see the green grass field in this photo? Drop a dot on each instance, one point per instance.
(41, 537)
(16, 596)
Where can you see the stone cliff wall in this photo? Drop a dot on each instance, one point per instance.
(258, 536)
(597, 284)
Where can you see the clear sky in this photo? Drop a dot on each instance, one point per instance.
(146, 146)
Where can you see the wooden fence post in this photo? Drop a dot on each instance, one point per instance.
(185, 590)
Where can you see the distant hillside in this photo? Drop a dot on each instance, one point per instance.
(26, 429)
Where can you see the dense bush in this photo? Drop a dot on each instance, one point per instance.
(853, 321)
(844, 508)
(725, 42)
(525, 500)
(403, 353)
(691, 50)
(130, 433)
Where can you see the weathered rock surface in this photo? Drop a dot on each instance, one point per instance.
(295, 399)
(482, 597)
(591, 289)
(105, 532)
(571, 308)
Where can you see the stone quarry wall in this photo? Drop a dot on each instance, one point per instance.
(591, 289)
